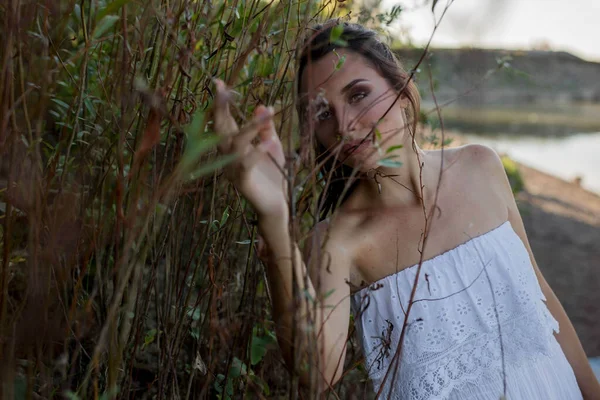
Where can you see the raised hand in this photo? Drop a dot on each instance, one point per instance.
(258, 171)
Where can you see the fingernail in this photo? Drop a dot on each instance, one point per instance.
(262, 111)
(218, 83)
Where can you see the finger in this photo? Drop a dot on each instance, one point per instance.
(252, 156)
(269, 138)
(242, 140)
(267, 129)
(224, 122)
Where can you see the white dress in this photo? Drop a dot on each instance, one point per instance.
(479, 322)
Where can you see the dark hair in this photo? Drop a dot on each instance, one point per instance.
(365, 42)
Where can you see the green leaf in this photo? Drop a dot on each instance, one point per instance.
(197, 146)
(260, 346)
(258, 349)
(149, 338)
(20, 389)
(237, 369)
(89, 106)
(70, 395)
(109, 394)
(204, 143)
(197, 142)
(336, 33)
(194, 127)
(219, 383)
(104, 25)
(193, 313)
(61, 103)
(207, 169)
(340, 62)
(111, 8)
(378, 135)
(265, 67)
(386, 162)
(224, 217)
(328, 293)
(393, 148)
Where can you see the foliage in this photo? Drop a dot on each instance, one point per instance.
(128, 262)
(514, 175)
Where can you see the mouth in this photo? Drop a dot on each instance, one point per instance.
(355, 146)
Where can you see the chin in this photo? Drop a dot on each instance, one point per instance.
(363, 164)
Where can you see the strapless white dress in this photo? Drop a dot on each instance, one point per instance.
(479, 323)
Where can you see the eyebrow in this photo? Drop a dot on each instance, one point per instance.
(354, 82)
(304, 99)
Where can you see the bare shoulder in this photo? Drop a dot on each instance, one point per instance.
(325, 235)
(468, 156)
(483, 161)
(480, 155)
(484, 166)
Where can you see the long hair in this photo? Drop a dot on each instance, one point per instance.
(365, 42)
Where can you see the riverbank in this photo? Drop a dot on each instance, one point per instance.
(538, 121)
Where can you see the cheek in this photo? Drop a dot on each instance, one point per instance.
(325, 136)
(373, 112)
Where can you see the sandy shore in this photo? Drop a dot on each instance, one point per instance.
(563, 226)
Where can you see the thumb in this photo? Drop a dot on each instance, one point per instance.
(267, 129)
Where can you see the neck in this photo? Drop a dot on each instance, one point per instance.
(402, 186)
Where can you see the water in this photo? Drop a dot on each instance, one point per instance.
(567, 157)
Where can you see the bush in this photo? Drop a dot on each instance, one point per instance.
(514, 175)
(129, 267)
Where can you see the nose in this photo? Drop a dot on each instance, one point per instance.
(346, 121)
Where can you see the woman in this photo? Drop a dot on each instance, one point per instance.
(482, 321)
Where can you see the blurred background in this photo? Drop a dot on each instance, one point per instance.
(545, 110)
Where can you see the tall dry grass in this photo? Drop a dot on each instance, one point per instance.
(128, 264)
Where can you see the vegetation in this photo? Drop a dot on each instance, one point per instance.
(129, 265)
(514, 176)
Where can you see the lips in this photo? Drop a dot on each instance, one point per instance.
(355, 146)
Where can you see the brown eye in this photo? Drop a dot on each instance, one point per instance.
(323, 115)
(358, 97)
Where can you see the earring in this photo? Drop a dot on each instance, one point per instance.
(338, 137)
(377, 182)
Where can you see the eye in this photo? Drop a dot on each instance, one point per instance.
(323, 115)
(356, 97)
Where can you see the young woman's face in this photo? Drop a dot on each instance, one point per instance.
(346, 102)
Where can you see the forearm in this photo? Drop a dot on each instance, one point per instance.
(571, 346)
(297, 318)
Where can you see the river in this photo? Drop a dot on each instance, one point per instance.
(567, 157)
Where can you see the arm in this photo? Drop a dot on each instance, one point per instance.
(331, 314)
(318, 311)
(567, 338)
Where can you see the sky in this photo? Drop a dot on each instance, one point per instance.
(563, 25)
